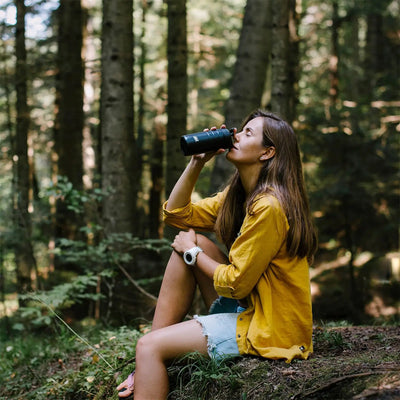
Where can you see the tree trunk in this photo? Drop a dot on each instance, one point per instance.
(177, 92)
(157, 179)
(90, 103)
(374, 61)
(334, 57)
(374, 46)
(69, 117)
(352, 90)
(119, 175)
(141, 131)
(3, 290)
(70, 86)
(284, 59)
(23, 247)
(249, 76)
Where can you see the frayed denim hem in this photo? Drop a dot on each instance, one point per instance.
(220, 331)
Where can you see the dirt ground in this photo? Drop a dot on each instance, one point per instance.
(358, 363)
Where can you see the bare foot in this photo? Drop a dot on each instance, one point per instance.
(126, 387)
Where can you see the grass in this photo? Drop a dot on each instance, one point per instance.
(334, 339)
(88, 361)
(60, 363)
(195, 376)
(56, 364)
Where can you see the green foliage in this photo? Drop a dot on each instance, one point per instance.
(200, 373)
(350, 143)
(58, 367)
(101, 261)
(332, 338)
(333, 324)
(113, 249)
(99, 258)
(74, 199)
(58, 298)
(97, 254)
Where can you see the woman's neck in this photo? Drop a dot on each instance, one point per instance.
(249, 177)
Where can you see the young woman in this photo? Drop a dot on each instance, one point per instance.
(259, 295)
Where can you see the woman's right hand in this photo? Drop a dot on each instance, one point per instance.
(182, 191)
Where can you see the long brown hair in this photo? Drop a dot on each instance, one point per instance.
(281, 176)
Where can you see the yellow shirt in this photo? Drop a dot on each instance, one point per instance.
(278, 321)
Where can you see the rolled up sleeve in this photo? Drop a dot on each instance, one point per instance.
(200, 215)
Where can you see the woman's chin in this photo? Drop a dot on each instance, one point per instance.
(230, 153)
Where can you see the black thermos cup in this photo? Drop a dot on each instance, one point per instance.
(205, 142)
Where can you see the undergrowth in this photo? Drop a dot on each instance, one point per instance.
(88, 361)
(195, 376)
(59, 365)
(333, 338)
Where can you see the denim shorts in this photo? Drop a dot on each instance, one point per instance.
(219, 327)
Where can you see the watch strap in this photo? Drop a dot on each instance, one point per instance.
(190, 256)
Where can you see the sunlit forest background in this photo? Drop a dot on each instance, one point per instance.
(94, 97)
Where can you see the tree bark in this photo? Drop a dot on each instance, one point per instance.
(249, 77)
(353, 91)
(157, 180)
(177, 95)
(284, 59)
(334, 57)
(374, 59)
(119, 175)
(23, 247)
(70, 92)
(90, 101)
(69, 110)
(141, 130)
(177, 90)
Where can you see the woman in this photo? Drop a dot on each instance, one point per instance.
(259, 295)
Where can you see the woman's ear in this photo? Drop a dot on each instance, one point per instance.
(268, 153)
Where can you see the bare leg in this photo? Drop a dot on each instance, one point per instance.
(176, 293)
(156, 349)
(179, 284)
(175, 299)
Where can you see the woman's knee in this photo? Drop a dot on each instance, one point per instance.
(146, 346)
(170, 342)
(155, 345)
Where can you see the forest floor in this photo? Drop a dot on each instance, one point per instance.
(347, 363)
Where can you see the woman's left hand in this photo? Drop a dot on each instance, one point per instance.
(205, 157)
(184, 241)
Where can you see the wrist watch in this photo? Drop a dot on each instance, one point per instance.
(190, 256)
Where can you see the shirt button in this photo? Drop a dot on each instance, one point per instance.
(240, 319)
(239, 335)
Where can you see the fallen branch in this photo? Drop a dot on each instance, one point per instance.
(136, 285)
(250, 392)
(337, 380)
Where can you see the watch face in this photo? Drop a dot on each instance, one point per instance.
(190, 255)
